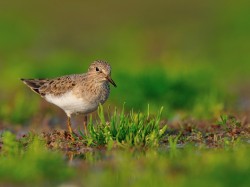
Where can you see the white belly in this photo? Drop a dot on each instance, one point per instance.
(72, 104)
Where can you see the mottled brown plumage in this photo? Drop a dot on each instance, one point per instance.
(56, 86)
(76, 94)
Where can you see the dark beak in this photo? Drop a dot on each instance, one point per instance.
(111, 81)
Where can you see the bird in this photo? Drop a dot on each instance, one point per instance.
(76, 93)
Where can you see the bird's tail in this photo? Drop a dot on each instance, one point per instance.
(34, 84)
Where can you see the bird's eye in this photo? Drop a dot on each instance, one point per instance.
(97, 69)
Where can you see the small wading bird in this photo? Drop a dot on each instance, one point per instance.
(76, 94)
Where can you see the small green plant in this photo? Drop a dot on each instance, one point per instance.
(223, 120)
(173, 140)
(133, 129)
(228, 121)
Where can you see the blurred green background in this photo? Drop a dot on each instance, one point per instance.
(192, 57)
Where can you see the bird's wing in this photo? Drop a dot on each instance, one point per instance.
(56, 86)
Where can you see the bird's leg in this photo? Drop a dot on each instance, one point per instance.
(70, 155)
(69, 125)
(85, 124)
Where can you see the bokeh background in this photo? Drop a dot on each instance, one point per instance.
(192, 57)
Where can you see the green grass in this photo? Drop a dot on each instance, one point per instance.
(31, 162)
(133, 149)
(131, 130)
(187, 167)
(28, 161)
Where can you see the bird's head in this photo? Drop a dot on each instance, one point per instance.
(102, 71)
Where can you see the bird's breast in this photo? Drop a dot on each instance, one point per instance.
(72, 104)
(95, 92)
